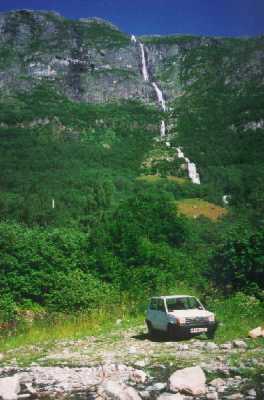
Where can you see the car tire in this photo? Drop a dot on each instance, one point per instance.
(171, 332)
(211, 334)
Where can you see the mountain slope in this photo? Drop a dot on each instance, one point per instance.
(81, 142)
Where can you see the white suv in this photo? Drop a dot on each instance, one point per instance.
(179, 316)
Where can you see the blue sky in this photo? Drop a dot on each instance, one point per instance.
(206, 17)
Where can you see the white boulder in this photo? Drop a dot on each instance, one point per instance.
(217, 383)
(138, 376)
(119, 391)
(188, 380)
(240, 344)
(212, 396)
(257, 332)
(9, 388)
(170, 396)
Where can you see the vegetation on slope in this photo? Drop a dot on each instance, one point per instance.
(220, 118)
(111, 233)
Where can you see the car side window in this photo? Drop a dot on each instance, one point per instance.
(160, 305)
(153, 304)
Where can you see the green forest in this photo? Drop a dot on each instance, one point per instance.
(96, 211)
(79, 228)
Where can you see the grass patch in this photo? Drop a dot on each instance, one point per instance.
(237, 316)
(46, 331)
(194, 208)
(157, 179)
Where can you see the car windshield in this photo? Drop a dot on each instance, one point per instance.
(182, 303)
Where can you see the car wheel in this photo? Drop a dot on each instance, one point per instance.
(171, 332)
(211, 334)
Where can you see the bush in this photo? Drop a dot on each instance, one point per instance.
(78, 291)
(7, 308)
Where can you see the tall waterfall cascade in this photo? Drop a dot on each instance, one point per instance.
(159, 96)
(144, 63)
(192, 170)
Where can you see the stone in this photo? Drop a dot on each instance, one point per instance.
(9, 388)
(239, 344)
(226, 346)
(159, 386)
(170, 396)
(182, 347)
(218, 382)
(235, 396)
(212, 396)
(144, 394)
(252, 393)
(257, 332)
(188, 380)
(132, 350)
(140, 363)
(119, 391)
(138, 376)
(211, 346)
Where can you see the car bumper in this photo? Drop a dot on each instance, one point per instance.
(197, 329)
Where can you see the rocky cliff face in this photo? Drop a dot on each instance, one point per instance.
(93, 61)
(88, 60)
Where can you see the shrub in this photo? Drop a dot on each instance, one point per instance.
(7, 308)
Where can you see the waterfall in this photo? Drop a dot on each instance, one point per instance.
(192, 170)
(163, 129)
(226, 199)
(144, 64)
(159, 96)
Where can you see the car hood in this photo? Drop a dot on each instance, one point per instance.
(190, 313)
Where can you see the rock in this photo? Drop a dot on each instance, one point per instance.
(170, 396)
(182, 347)
(188, 380)
(226, 346)
(257, 332)
(119, 391)
(132, 350)
(144, 394)
(9, 388)
(138, 376)
(212, 396)
(141, 363)
(158, 387)
(217, 383)
(252, 393)
(211, 346)
(235, 396)
(239, 344)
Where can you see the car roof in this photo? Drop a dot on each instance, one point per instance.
(176, 296)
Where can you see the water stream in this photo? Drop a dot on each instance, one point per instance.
(192, 170)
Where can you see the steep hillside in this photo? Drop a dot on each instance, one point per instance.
(100, 134)
(89, 60)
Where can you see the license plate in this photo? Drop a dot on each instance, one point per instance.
(198, 330)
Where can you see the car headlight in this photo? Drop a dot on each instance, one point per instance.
(211, 318)
(180, 320)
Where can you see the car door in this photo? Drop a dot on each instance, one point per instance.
(161, 315)
(152, 314)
